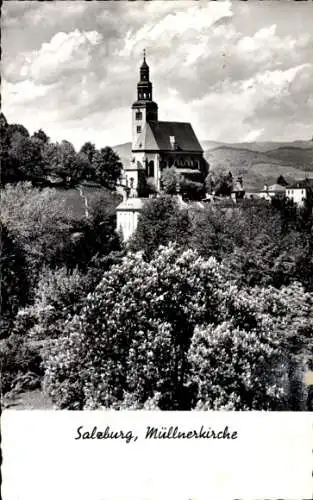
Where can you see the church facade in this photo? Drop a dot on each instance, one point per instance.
(157, 145)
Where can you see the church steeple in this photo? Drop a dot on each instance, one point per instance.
(144, 86)
(144, 69)
(144, 109)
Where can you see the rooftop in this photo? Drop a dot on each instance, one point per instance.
(131, 204)
(157, 136)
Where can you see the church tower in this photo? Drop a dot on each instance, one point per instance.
(144, 109)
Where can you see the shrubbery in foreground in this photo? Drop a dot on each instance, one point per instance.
(174, 333)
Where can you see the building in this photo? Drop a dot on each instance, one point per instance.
(127, 214)
(301, 192)
(273, 191)
(157, 145)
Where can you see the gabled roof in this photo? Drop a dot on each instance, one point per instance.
(146, 140)
(156, 136)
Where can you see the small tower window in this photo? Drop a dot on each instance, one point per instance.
(138, 129)
(138, 115)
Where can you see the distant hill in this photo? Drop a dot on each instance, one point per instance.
(124, 151)
(258, 168)
(261, 147)
(258, 163)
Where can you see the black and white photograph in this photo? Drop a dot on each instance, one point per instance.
(156, 211)
(156, 205)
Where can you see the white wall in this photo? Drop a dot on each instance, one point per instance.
(297, 195)
(127, 221)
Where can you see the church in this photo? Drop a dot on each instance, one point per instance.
(157, 145)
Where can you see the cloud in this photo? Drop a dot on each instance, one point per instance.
(233, 70)
(253, 135)
(62, 55)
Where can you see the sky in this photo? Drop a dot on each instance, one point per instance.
(238, 71)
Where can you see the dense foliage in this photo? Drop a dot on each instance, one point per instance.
(162, 221)
(173, 181)
(13, 279)
(37, 160)
(175, 333)
(259, 243)
(211, 308)
(50, 259)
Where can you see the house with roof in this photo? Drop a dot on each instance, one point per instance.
(301, 192)
(272, 191)
(157, 145)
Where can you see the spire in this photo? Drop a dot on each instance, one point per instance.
(144, 63)
(144, 69)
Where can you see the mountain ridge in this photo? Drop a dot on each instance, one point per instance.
(258, 163)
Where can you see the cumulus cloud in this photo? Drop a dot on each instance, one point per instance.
(62, 55)
(234, 71)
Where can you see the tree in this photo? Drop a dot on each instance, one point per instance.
(39, 223)
(17, 127)
(14, 281)
(192, 190)
(215, 231)
(107, 167)
(7, 172)
(224, 184)
(89, 149)
(281, 181)
(25, 157)
(99, 237)
(60, 159)
(170, 179)
(172, 182)
(175, 333)
(57, 296)
(256, 358)
(137, 328)
(161, 221)
(81, 169)
(41, 136)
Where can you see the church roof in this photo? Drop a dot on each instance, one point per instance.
(146, 140)
(157, 136)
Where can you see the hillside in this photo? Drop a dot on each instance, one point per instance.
(299, 157)
(259, 162)
(259, 168)
(261, 147)
(124, 151)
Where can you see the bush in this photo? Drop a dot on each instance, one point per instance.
(175, 333)
(235, 369)
(13, 280)
(39, 223)
(161, 222)
(133, 334)
(58, 296)
(17, 359)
